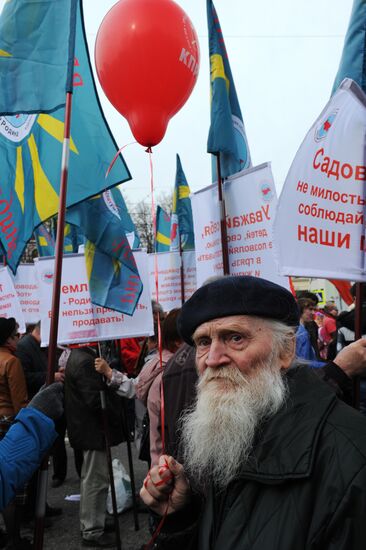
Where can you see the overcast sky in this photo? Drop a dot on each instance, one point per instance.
(284, 56)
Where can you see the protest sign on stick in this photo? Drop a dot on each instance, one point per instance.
(169, 277)
(251, 202)
(82, 321)
(319, 226)
(9, 303)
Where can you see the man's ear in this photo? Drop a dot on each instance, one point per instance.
(287, 355)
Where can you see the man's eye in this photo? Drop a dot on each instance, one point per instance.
(203, 342)
(235, 338)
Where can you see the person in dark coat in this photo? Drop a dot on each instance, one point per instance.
(272, 459)
(34, 362)
(86, 433)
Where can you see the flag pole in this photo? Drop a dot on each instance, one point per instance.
(182, 290)
(225, 251)
(43, 472)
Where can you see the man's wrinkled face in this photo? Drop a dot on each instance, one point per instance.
(237, 341)
(241, 384)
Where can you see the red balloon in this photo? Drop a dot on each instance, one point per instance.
(147, 60)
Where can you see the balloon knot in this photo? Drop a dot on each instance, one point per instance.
(148, 150)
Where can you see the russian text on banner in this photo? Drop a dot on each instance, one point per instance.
(9, 302)
(169, 277)
(80, 320)
(250, 223)
(206, 222)
(320, 220)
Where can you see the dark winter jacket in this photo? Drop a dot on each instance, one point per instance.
(34, 362)
(83, 405)
(304, 487)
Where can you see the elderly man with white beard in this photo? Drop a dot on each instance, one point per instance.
(272, 459)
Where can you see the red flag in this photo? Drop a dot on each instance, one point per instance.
(343, 288)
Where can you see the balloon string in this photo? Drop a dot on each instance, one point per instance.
(116, 157)
(156, 277)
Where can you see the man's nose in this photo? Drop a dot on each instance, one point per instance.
(216, 356)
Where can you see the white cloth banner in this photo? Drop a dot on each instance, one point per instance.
(250, 201)
(80, 320)
(319, 225)
(169, 278)
(26, 286)
(207, 233)
(9, 303)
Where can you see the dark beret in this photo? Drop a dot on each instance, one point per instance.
(237, 296)
(7, 327)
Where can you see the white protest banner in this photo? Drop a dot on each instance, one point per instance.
(169, 277)
(251, 200)
(9, 303)
(80, 320)
(319, 225)
(26, 286)
(207, 233)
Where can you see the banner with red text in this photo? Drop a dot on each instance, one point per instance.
(251, 200)
(169, 277)
(26, 286)
(80, 320)
(9, 303)
(319, 225)
(207, 233)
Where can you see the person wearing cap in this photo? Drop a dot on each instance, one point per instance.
(272, 459)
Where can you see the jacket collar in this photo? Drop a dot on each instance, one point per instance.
(286, 445)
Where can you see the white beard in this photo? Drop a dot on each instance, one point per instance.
(218, 431)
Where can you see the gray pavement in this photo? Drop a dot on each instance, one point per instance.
(64, 532)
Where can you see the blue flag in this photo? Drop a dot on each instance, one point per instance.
(181, 219)
(31, 145)
(36, 55)
(124, 215)
(73, 238)
(44, 241)
(162, 237)
(114, 281)
(227, 133)
(353, 61)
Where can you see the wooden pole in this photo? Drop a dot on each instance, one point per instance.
(43, 472)
(225, 250)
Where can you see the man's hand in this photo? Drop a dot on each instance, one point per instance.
(59, 376)
(352, 358)
(166, 482)
(102, 367)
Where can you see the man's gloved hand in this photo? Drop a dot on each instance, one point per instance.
(49, 400)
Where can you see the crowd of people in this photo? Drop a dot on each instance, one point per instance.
(239, 404)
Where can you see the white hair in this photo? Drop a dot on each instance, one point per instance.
(219, 430)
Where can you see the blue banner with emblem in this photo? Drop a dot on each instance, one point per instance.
(226, 136)
(31, 148)
(181, 232)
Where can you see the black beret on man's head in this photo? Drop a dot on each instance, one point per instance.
(237, 296)
(7, 327)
